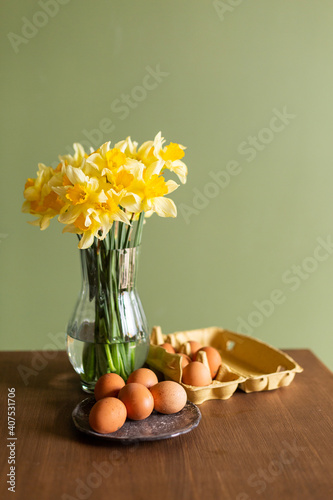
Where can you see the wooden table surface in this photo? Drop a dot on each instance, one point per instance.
(269, 445)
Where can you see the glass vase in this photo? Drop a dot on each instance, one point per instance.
(108, 330)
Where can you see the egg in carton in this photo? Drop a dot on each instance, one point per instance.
(247, 363)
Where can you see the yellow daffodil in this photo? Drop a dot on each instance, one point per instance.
(171, 156)
(88, 209)
(146, 150)
(41, 200)
(147, 195)
(128, 147)
(106, 160)
(78, 159)
(145, 153)
(156, 157)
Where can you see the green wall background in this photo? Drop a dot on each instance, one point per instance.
(227, 71)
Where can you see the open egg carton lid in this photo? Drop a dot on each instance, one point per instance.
(247, 363)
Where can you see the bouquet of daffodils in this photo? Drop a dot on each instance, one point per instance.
(104, 196)
(89, 192)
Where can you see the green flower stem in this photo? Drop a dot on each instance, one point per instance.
(132, 347)
(123, 359)
(112, 237)
(128, 232)
(138, 234)
(120, 234)
(109, 357)
(115, 292)
(116, 303)
(115, 348)
(101, 361)
(88, 362)
(127, 352)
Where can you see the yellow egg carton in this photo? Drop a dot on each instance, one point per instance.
(247, 363)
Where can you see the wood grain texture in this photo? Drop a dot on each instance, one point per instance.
(268, 445)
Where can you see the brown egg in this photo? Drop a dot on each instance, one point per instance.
(138, 400)
(107, 415)
(195, 346)
(196, 374)
(185, 359)
(169, 397)
(143, 376)
(213, 358)
(168, 347)
(108, 385)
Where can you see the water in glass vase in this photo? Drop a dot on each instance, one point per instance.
(91, 360)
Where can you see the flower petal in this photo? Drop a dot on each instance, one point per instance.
(132, 203)
(44, 222)
(172, 186)
(76, 175)
(121, 216)
(164, 207)
(87, 240)
(179, 168)
(105, 148)
(71, 228)
(154, 169)
(31, 194)
(71, 215)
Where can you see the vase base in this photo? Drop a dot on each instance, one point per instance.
(88, 386)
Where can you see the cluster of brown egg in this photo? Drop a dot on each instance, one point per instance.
(117, 401)
(194, 371)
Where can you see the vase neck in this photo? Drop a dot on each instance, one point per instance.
(117, 268)
(125, 265)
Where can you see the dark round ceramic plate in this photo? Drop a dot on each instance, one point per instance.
(156, 426)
